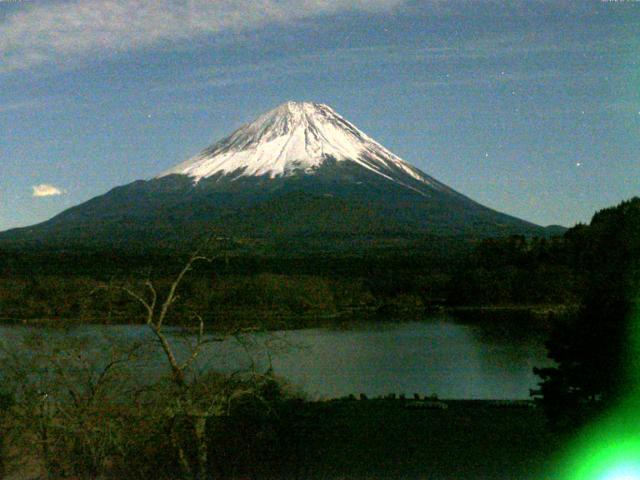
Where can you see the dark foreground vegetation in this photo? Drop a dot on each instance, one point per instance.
(279, 438)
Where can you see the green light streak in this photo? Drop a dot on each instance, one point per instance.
(610, 448)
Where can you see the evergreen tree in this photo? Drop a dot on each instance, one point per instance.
(594, 351)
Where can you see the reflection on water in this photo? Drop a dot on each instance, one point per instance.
(439, 356)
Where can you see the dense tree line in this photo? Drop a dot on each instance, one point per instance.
(518, 270)
(240, 283)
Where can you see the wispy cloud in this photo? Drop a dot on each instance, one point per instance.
(329, 60)
(47, 190)
(621, 106)
(485, 51)
(60, 32)
(48, 102)
(20, 105)
(517, 44)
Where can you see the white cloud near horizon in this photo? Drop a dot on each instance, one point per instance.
(47, 190)
(60, 32)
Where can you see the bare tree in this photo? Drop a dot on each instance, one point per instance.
(195, 403)
(87, 415)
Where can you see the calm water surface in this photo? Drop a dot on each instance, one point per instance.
(438, 356)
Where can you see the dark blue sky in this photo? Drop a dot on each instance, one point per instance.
(529, 107)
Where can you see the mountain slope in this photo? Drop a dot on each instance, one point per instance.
(298, 170)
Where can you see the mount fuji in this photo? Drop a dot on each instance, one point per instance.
(299, 138)
(300, 170)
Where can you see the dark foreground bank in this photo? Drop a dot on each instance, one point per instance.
(395, 439)
(370, 439)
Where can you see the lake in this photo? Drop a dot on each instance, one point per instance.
(437, 356)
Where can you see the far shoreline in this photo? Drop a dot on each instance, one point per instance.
(543, 315)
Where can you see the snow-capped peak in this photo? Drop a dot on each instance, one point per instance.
(292, 138)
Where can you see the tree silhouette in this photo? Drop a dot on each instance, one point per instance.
(594, 351)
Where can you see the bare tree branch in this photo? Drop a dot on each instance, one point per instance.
(142, 301)
(171, 296)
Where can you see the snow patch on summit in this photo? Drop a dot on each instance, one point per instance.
(297, 137)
